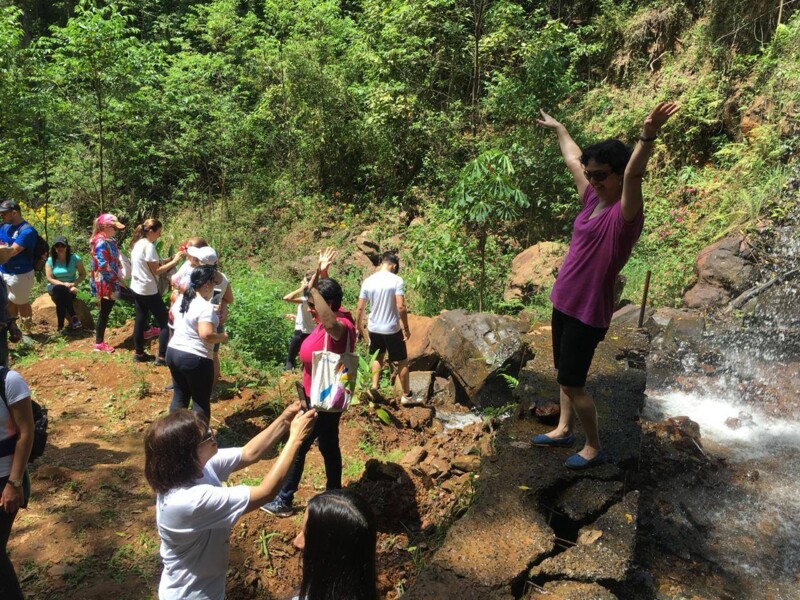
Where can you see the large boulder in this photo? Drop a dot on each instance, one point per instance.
(723, 269)
(534, 270)
(421, 356)
(476, 348)
(44, 311)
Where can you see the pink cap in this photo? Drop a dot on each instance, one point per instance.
(109, 219)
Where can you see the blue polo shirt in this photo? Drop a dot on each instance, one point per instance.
(22, 262)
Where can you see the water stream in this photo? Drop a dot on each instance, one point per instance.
(746, 403)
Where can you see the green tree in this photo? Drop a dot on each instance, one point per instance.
(487, 198)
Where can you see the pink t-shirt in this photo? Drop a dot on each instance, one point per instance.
(600, 247)
(316, 341)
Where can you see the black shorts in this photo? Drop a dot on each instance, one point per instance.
(393, 343)
(574, 344)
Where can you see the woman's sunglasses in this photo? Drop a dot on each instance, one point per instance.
(210, 437)
(598, 176)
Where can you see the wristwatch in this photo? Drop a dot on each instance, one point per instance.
(15, 484)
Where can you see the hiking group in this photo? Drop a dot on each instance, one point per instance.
(185, 467)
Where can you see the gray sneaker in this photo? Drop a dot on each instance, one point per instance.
(411, 400)
(277, 508)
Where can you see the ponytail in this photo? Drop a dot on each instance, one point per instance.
(200, 276)
(145, 228)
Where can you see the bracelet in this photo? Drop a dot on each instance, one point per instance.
(648, 139)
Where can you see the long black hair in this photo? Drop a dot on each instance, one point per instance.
(54, 254)
(339, 553)
(200, 276)
(170, 450)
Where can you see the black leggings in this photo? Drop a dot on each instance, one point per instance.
(192, 378)
(145, 305)
(62, 298)
(9, 585)
(106, 304)
(294, 348)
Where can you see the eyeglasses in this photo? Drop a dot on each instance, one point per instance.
(210, 437)
(598, 176)
(60, 246)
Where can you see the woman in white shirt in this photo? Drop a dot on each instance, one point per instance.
(190, 351)
(16, 441)
(146, 266)
(194, 512)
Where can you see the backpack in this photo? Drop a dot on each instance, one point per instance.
(41, 249)
(39, 425)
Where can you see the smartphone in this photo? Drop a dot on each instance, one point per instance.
(217, 297)
(301, 395)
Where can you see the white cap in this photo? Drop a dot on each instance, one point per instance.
(206, 255)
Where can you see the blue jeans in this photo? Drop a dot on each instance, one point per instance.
(327, 430)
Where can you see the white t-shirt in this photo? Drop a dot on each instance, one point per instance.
(186, 337)
(143, 282)
(303, 321)
(195, 524)
(16, 390)
(380, 290)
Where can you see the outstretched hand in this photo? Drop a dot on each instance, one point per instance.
(547, 121)
(326, 258)
(659, 115)
(302, 425)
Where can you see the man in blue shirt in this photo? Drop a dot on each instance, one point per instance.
(19, 237)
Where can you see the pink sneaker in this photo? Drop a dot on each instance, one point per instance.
(103, 347)
(151, 333)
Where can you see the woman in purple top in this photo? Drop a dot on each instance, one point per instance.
(609, 181)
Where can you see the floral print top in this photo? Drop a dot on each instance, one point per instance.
(105, 267)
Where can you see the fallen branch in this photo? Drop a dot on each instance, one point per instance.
(745, 297)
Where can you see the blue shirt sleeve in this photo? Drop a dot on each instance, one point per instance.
(26, 237)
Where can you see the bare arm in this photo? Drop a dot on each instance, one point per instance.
(265, 441)
(22, 414)
(360, 307)
(400, 302)
(208, 333)
(295, 296)
(157, 268)
(569, 150)
(48, 273)
(327, 317)
(300, 428)
(632, 200)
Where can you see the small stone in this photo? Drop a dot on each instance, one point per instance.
(414, 456)
(733, 423)
(468, 464)
(455, 485)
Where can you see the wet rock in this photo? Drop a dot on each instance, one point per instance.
(586, 498)
(534, 270)
(629, 315)
(571, 590)
(476, 348)
(444, 392)
(421, 356)
(44, 312)
(414, 456)
(723, 269)
(608, 558)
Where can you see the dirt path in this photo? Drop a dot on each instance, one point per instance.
(89, 531)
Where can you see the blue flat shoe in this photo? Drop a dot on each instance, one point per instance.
(578, 463)
(562, 442)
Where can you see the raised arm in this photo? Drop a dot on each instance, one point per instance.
(269, 487)
(569, 150)
(264, 442)
(634, 173)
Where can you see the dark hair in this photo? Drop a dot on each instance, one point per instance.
(145, 228)
(170, 450)
(331, 292)
(200, 276)
(391, 259)
(339, 553)
(54, 254)
(613, 153)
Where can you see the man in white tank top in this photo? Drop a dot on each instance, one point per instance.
(387, 327)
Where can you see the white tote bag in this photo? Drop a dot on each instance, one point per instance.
(333, 378)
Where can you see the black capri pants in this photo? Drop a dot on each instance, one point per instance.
(574, 344)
